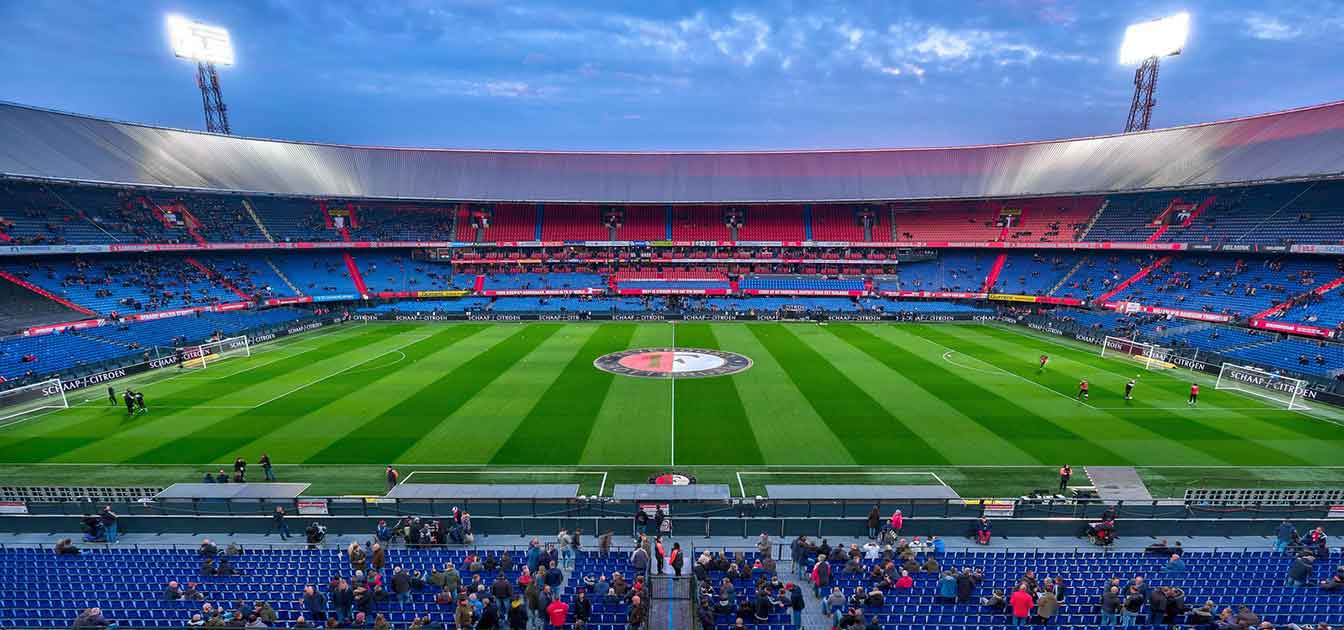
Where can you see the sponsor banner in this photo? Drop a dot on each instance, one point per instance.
(630, 317)
(311, 507)
(1295, 329)
(441, 294)
(516, 261)
(672, 291)
(231, 306)
(37, 250)
(285, 301)
(13, 507)
(51, 328)
(396, 294)
(930, 317)
(855, 317)
(1135, 307)
(1059, 300)
(339, 297)
(934, 294)
(803, 292)
(157, 315)
(1316, 249)
(1010, 297)
(526, 292)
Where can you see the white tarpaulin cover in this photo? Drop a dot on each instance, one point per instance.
(1304, 143)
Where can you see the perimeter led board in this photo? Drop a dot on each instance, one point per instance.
(200, 42)
(1159, 38)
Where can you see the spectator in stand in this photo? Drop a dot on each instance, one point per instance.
(1175, 566)
(1046, 607)
(1021, 603)
(109, 519)
(1110, 606)
(983, 532)
(874, 520)
(897, 523)
(1132, 606)
(91, 618)
(1285, 535)
(1334, 582)
(66, 547)
(1300, 571)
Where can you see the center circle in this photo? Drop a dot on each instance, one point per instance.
(672, 363)
(679, 361)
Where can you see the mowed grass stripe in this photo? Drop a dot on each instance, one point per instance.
(868, 431)
(633, 427)
(317, 415)
(104, 437)
(1035, 434)
(559, 425)
(788, 430)
(498, 408)
(224, 437)
(1171, 427)
(712, 425)
(232, 389)
(393, 432)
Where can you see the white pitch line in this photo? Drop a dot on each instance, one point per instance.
(339, 372)
(947, 356)
(673, 380)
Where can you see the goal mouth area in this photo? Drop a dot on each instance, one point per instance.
(26, 402)
(1263, 384)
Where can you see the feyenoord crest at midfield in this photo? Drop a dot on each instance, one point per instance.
(672, 363)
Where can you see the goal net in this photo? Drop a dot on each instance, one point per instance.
(207, 354)
(1263, 384)
(21, 401)
(1152, 356)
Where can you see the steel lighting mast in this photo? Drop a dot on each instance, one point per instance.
(206, 45)
(1146, 43)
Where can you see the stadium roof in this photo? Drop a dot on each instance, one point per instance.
(1297, 144)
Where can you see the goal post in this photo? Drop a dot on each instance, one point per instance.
(206, 354)
(28, 399)
(1152, 356)
(1262, 384)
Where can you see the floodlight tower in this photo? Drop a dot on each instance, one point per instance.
(1146, 43)
(206, 45)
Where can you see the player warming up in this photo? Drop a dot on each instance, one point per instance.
(1129, 390)
(1082, 390)
(1194, 395)
(1045, 358)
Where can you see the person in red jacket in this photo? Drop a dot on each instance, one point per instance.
(1194, 395)
(1021, 602)
(897, 522)
(1082, 389)
(558, 612)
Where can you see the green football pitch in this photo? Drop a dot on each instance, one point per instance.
(961, 404)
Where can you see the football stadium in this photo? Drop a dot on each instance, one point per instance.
(257, 382)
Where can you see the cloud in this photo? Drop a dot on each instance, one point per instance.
(1270, 28)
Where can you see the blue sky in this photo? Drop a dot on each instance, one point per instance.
(589, 74)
